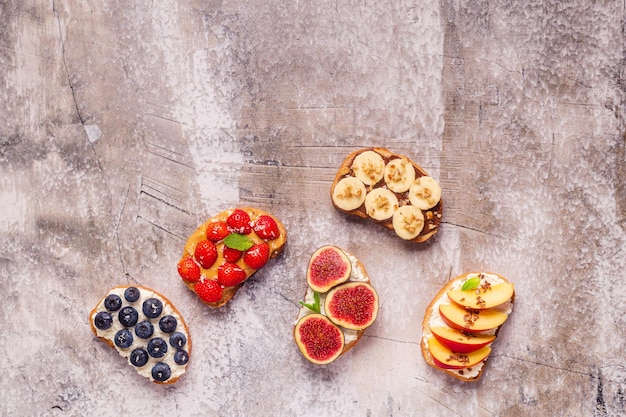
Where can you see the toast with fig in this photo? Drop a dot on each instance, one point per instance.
(228, 249)
(462, 322)
(391, 190)
(339, 304)
(146, 329)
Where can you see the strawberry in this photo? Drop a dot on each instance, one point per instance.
(208, 290)
(229, 274)
(239, 222)
(216, 231)
(231, 255)
(257, 255)
(266, 228)
(206, 253)
(188, 270)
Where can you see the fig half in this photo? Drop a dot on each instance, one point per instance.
(353, 305)
(329, 266)
(319, 340)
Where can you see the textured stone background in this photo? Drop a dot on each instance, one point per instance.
(124, 125)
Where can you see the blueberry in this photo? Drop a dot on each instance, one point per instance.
(157, 347)
(128, 316)
(181, 357)
(113, 302)
(123, 339)
(131, 294)
(139, 357)
(161, 372)
(103, 320)
(152, 307)
(178, 340)
(168, 324)
(144, 329)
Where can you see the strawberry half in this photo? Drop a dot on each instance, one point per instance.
(229, 274)
(206, 253)
(188, 269)
(239, 222)
(216, 231)
(208, 290)
(266, 228)
(231, 255)
(257, 256)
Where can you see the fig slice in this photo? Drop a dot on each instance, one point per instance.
(353, 305)
(319, 340)
(329, 266)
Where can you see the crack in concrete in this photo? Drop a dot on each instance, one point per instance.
(67, 73)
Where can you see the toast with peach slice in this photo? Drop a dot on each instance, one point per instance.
(462, 322)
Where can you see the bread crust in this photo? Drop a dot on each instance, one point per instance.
(276, 247)
(426, 326)
(359, 333)
(165, 301)
(431, 221)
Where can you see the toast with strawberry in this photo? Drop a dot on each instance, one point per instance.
(227, 249)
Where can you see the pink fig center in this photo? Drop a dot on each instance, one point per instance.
(353, 305)
(328, 266)
(321, 339)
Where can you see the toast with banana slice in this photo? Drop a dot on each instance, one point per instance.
(462, 322)
(391, 190)
(227, 249)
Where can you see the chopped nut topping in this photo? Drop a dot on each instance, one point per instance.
(470, 317)
(429, 215)
(458, 357)
(411, 223)
(349, 192)
(370, 170)
(381, 202)
(424, 193)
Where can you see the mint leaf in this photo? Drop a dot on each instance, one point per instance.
(315, 306)
(239, 242)
(471, 283)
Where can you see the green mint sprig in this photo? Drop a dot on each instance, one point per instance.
(315, 306)
(239, 242)
(471, 283)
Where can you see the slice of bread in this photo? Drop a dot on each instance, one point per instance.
(431, 216)
(432, 317)
(276, 246)
(358, 274)
(112, 325)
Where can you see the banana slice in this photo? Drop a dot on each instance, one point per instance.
(425, 193)
(408, 222)
(349, 193)
(381, 203)
(399, 175)
(369, 167)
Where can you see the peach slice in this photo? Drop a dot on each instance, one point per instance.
(447, 359)
(471, 320)
(460, 341)
(485, 296)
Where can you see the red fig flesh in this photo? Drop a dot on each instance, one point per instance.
(319, 340)
(329, 266)
(353, 305)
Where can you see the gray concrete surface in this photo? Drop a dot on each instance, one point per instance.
(124, 125)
